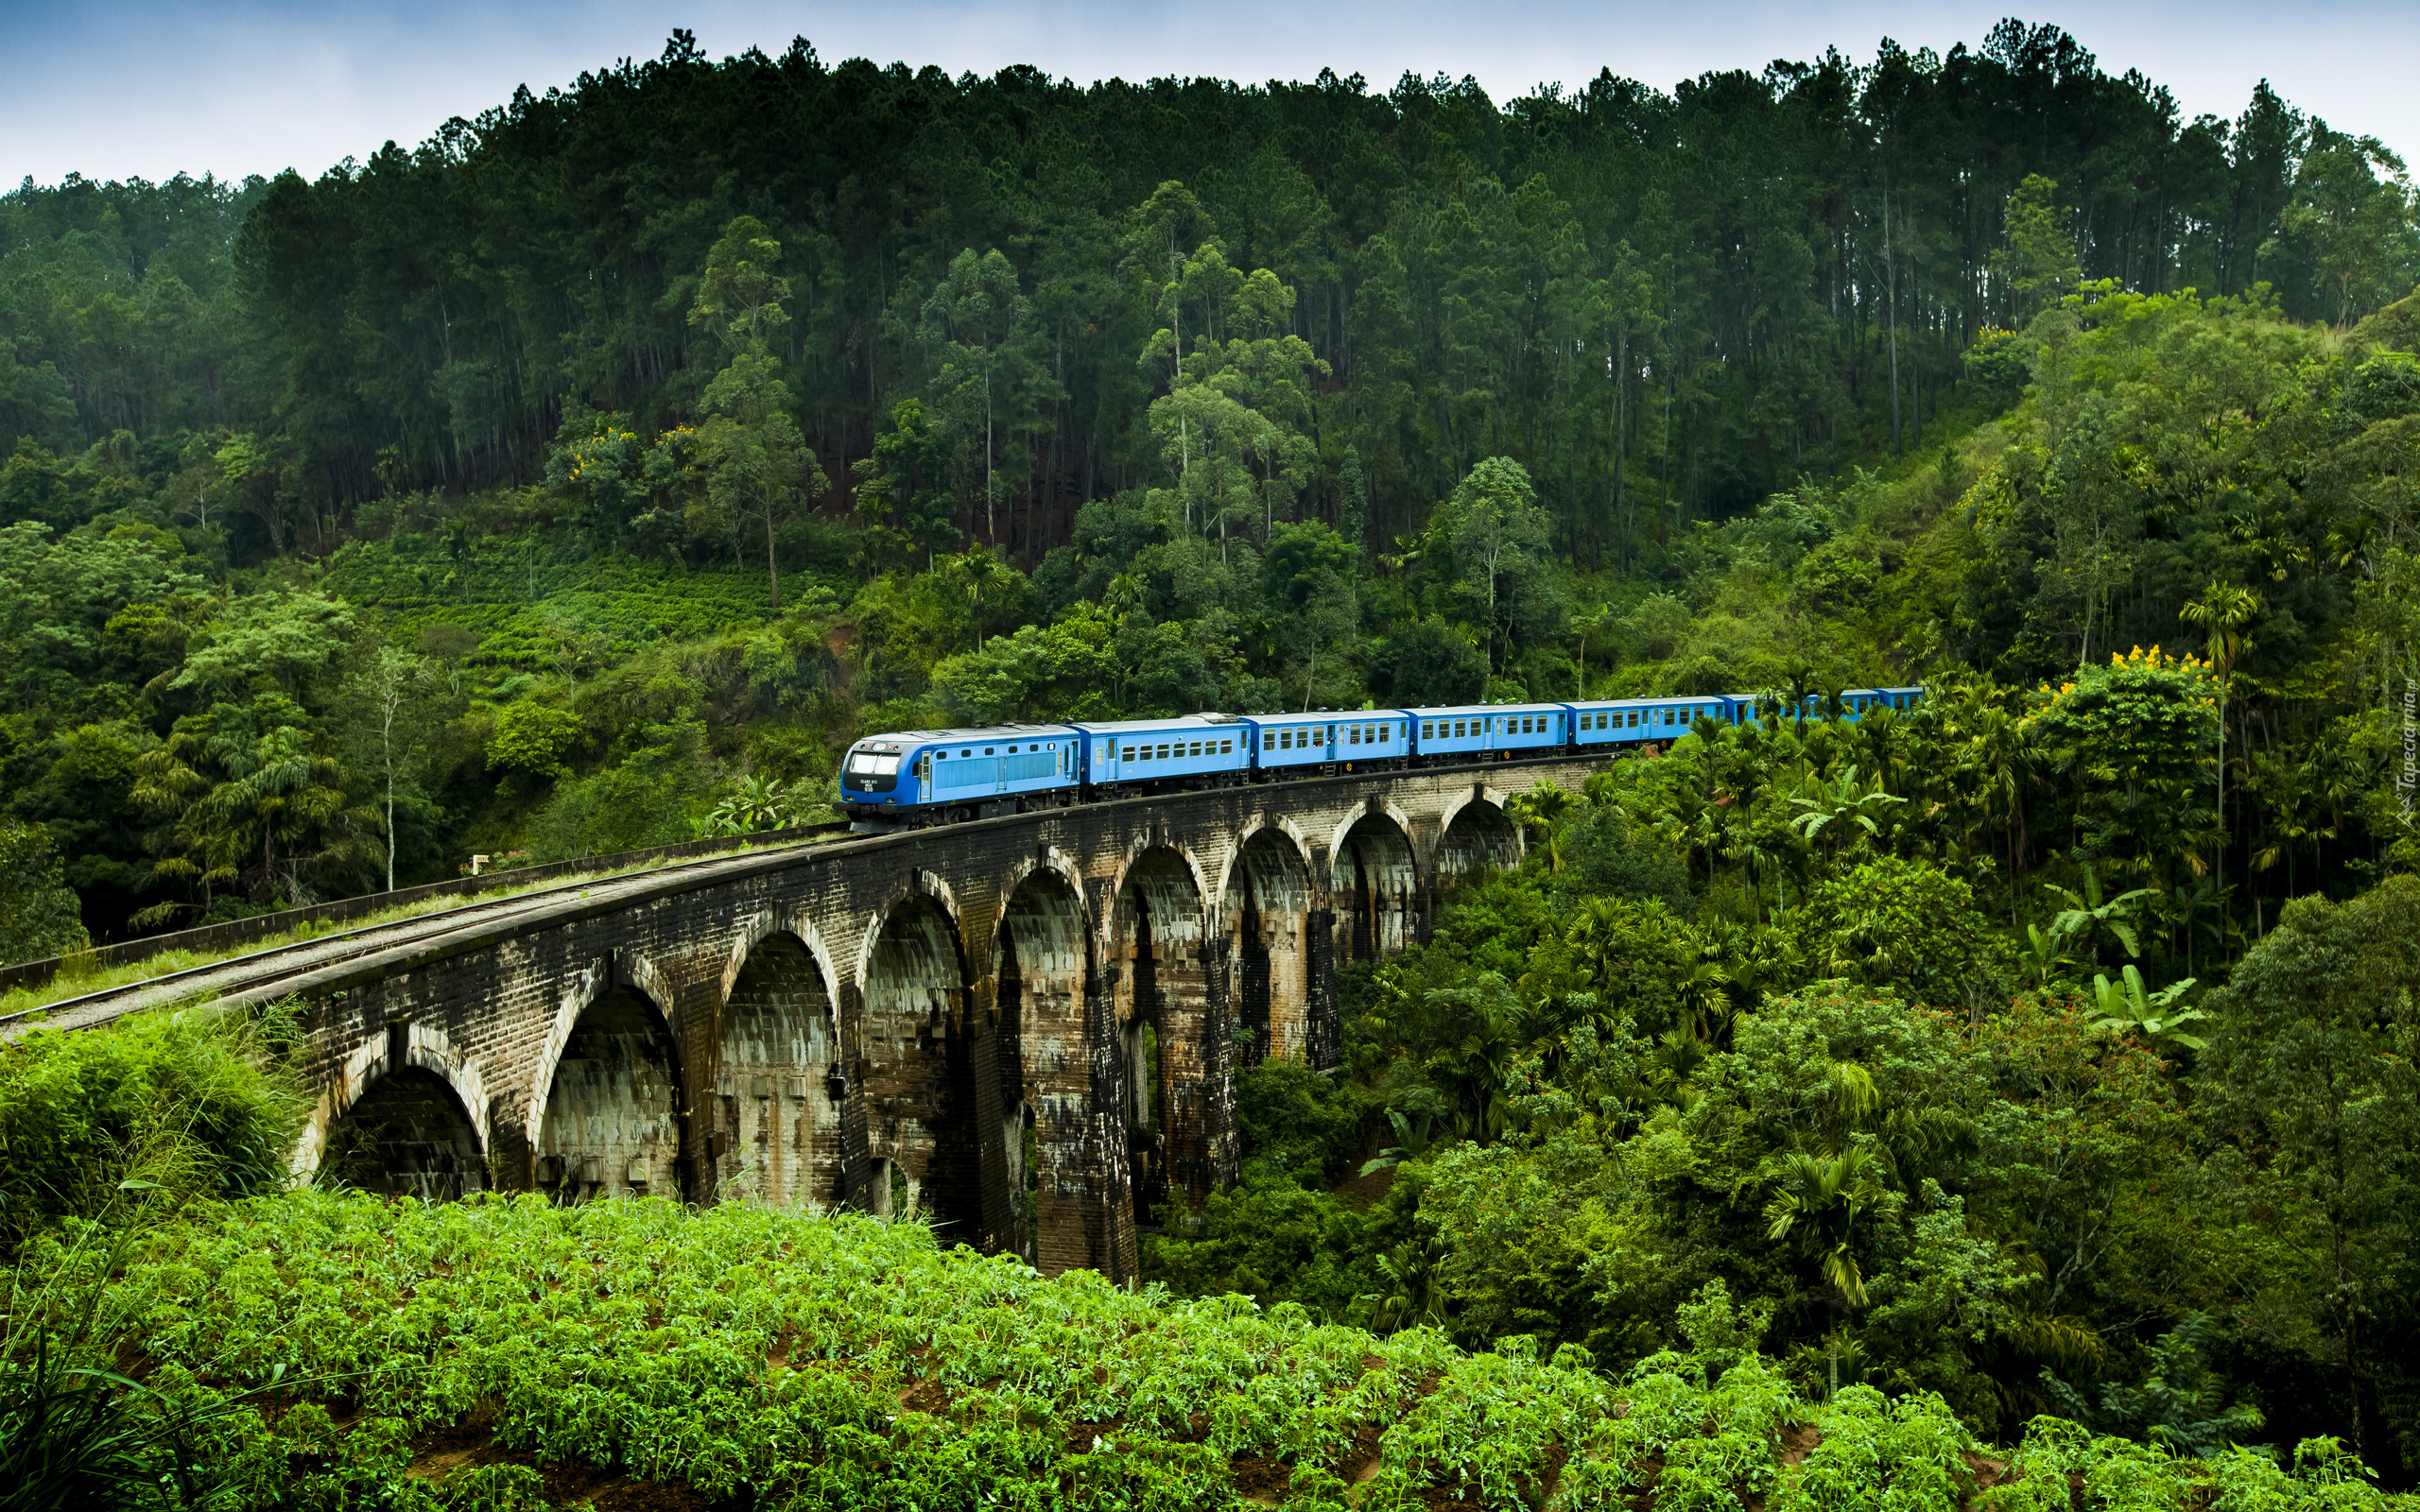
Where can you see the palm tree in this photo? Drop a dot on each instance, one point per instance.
(2000, 754)
(1412, 1296)
(1839, 805)
(2223, 611)
(1816, 1203)
(1799, 678)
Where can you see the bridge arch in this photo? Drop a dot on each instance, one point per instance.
(406, 1115)
(1267, 900)
(915, 1070)
(1476, 835)
(769, 922)
(1170, 1004)
(604, 1112)
(773, 1133)
(1374, 884)
(1035, 1068)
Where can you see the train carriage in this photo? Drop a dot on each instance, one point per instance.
(1160, 755)
(1593, 722)
(1641, 721)
(1371, 740)
(1487, 732)
(1290, 746)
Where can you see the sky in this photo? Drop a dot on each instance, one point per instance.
(118, 88)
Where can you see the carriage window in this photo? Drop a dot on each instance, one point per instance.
(1386, 735)
(1226, 747)
(1163, 753)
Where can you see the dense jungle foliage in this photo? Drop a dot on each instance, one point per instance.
(170, 1342)
(1814, 1106)
(587, 474)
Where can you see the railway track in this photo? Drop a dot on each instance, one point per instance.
(328, 960)
(263, 974)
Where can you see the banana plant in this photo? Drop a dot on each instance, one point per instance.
(1413, 1141)
(2049, 951)
(2124, 1007)
(2087, 914)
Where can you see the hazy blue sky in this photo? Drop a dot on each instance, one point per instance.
(151, 87)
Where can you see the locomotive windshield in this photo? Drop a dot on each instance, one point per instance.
(876, 771)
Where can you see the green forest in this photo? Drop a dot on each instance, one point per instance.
(2008, 1104)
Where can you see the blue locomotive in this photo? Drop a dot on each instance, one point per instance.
(919, 777)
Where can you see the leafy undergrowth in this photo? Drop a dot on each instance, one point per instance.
(501, 1354)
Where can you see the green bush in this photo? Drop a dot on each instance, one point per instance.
(533, 738)
(1272, 1239)
(1297, 1122)
(184, 1103)
(40, 915)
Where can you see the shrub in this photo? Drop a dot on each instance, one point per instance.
(185, 1102)
(40, 914)
(533, 738)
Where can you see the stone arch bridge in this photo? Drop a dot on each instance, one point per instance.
(1027, 1028)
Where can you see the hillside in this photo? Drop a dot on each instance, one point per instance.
(2007, 1103)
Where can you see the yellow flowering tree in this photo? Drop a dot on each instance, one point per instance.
(2135, 737)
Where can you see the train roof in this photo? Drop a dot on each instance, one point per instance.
(1119, 726)
(1655, 698)
(1546, 706)
(1316, 716)
(931, 737)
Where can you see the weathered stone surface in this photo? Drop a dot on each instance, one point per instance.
(1026, 1027)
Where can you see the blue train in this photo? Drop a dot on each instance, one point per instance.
(918, 777)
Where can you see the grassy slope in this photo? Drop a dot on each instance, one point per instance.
(498, 1349)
